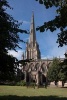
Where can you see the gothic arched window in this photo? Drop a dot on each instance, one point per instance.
(44, 68)
(37, 66)
(31, 67)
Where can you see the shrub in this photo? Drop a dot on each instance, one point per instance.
(32, 84)
(21, 83)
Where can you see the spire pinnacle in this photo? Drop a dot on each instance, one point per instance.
(32, 31)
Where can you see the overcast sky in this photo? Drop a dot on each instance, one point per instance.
(22, 11)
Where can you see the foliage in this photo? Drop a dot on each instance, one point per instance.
(21, 83)
(60, 20)
(63, 71)
(7, 67)
(9, 39)
(9, 29)
(58, 70)
(54, 70)
(32, 84)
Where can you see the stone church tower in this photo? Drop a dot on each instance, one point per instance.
(32, 47)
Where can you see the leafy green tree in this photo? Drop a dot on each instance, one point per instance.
(9, 39)
(60, 20)
(63, 71)
(58, 71)
(53, 70)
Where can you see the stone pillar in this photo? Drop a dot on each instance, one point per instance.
(41, 79)
(25, 76)
(29, 77)
(38, 79)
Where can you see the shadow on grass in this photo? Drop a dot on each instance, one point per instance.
(11, 97)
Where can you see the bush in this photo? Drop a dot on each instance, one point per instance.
(21, 83)
(32, 84)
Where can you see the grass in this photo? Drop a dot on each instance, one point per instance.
(24, 93)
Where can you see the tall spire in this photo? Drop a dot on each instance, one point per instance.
(32, 49)
(32, 32)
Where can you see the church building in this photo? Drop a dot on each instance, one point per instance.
(35, 70)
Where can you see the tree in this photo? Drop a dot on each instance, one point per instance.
(60, 21)
(58, 71)
(7, 67)
(54, 70)
(63, 71)
(9, 39)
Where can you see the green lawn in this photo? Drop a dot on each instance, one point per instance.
(24, 93)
